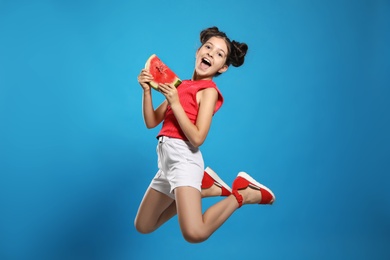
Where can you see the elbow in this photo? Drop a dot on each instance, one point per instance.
(151, 122)
(197, 142)
(149, 126)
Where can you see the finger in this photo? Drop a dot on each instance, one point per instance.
(162, 88)
(147, 73)
(166, 86)
(141, 78)
(171, 87)
(165, 94)
(144, 77)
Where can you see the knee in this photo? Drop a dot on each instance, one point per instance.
(194, 235)
(142, 228)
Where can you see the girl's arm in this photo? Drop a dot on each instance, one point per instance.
(152, 117)
(195, 133)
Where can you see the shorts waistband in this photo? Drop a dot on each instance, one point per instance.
(162, 138)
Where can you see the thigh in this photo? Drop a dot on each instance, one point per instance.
(153, 206)
(189, 208)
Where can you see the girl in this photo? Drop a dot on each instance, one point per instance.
(181, 180)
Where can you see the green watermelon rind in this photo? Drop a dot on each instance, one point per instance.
(176, 82)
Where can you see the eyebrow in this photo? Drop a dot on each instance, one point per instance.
(218, 48)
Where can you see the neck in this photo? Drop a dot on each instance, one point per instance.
(197, 77)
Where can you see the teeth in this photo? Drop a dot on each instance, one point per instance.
(207, 61)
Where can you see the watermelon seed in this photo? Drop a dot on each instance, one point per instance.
(160, 69)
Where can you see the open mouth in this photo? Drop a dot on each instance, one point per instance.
(206, 61)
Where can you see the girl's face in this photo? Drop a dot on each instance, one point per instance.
(211, 58)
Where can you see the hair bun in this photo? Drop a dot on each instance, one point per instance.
(238, 52)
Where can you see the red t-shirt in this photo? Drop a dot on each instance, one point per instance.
(187, 94)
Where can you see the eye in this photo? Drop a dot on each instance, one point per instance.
(220, 55)
(207, 46)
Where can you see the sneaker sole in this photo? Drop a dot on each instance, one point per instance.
(217, 178)
(253, 181)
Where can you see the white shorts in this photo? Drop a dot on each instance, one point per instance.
(179, 163)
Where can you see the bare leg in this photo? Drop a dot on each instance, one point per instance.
(156, 208)
(195, 226)
(213, 191)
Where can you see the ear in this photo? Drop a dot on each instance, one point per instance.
(223, 69)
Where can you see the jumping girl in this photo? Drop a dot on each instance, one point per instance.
(181, 181)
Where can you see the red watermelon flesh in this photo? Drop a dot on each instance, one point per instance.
(161, 73)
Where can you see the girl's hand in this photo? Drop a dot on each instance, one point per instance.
(144, 78)
(170, 93)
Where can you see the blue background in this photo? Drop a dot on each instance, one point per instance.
(307, 115)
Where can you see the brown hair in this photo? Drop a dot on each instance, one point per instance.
(236, 50)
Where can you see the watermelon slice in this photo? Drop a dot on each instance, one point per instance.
(160, 72)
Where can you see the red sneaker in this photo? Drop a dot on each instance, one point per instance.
(243, 180)
(210, 178)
